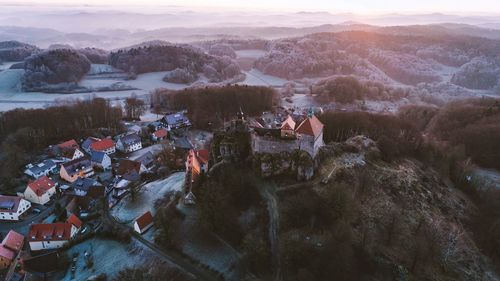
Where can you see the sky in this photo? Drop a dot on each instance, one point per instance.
(353, 6)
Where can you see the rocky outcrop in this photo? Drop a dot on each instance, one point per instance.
(297, 164)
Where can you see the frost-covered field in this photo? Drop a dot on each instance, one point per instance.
(12, 97)
(109, 257)
(255, 77)
(127, 209)
(7, 65)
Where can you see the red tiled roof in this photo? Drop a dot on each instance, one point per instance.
(102, 145)
(311, 126)
(203, 155)
(288, 124)
(144, 220)
(6, 253)
(161, 133)
(13, 241)
(41, 185)
(50, 232)
(9, 204)
(69, 144)
(74, 220)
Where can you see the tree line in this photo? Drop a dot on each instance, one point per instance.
(24, 132)
(210, 106)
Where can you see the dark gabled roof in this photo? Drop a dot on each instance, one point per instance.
(131, 139)
(97, 156)
(42, 166)
(9, 204)
(183, 143)
(87, 142)
(84, 184)
(176, 118)
(72, 166)
(146, 159)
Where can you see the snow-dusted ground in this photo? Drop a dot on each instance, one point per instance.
(256, 78)
(253, 54)
(11, 96)
(206, 248)
(7, 64)
(109, 257)
(127, 210)
(102, 68)
(155, 148)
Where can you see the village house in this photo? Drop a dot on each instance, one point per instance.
(68, 150)
(128, 168)
(106, 145)
(175, 121)
(129, 143)
(148, 162)
(196, 163)
(101, 160)
(78, 168)
(40, 191)
(134, 129)
(87, 142)
(143, 223)
(155, 126)
(10, 247)
(53, 235)
(13, 207)
(306, 136)
(41, 169)
(13, 241)
(159, 135)
(88, 187)
(120, 188)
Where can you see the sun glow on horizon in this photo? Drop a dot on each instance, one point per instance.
(338, 6)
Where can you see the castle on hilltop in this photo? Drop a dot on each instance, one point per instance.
(306, 135)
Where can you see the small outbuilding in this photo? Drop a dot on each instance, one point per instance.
(143, 223)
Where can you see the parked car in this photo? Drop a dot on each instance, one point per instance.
(36, 211)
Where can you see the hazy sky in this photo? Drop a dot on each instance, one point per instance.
(355, 6)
